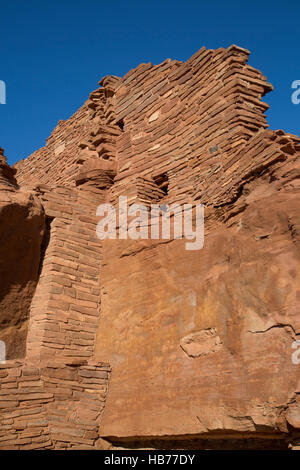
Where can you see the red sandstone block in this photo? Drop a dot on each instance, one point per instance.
(54, 337)
(24, 412)
(8, 437)
(72, 439)
(53, 345)
(19, 441)
(15, 372)
(78, 354)
(21, 421)
(93, 374)
(9, 394)
(54, 290)
(7, 421)
(6, 427)
(70, 292)
(70, 271)
(34, 396)
(63, 262)
(37, 445)
(61, 280)
(77, 333)
(31, 432)
(51, 326)
(87, 303)
(37, 423)
(10, 385)
(91, 435)
(100, 385)
(83, 342)
(43, 438)
(60, 373)
(88, 296)
(8, 380)
(33, 371)
(59, 304)
(77, 347)
(10, 447)
(63, 396)
(85, 310)
(72, 431)
(10, 365)
(87, 447)
(33, 384)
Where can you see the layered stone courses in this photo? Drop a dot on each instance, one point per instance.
(183, 333)
(54, 406)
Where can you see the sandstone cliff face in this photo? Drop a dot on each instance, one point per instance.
(199, 342)
(22, 228)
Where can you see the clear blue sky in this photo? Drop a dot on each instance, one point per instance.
(54, 53)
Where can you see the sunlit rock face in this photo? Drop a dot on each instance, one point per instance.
(144, 343)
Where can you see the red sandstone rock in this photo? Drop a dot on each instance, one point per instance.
(21, 233)
(199, 342)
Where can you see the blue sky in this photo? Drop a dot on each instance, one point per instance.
(53, 53)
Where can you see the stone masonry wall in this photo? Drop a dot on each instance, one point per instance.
(55, 397)
(189, 337)
(56, 406)
(65, 309)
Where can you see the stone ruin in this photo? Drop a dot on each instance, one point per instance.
(141, 343)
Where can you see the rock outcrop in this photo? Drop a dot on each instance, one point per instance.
(22, 229)
(199, 343)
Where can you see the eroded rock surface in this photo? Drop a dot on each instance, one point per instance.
(22, 225)
(199, 342)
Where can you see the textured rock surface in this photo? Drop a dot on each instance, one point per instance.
(199, 342)
(21, 232)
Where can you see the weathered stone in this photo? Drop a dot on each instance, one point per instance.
(200, 343)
